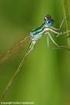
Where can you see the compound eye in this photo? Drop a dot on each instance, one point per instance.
(48, 21)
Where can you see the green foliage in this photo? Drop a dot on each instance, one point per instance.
(45, 76)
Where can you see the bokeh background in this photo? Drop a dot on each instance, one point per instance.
(45, 76)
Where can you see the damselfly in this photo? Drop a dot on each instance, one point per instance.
(34, 36)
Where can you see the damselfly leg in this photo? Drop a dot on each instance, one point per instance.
(54, 42)
(64, 32)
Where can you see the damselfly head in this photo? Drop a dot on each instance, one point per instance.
(48, 20)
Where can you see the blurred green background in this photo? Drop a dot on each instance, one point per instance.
(45, 76)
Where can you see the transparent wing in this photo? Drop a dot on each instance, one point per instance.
(25, 42)
(29, 49)
(20, 44)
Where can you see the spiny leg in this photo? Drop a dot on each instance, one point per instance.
(62, 22)
(51, 38)
(59, 33)
(65, 32)
(30, 48)
(48, 41)
(56, 44)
